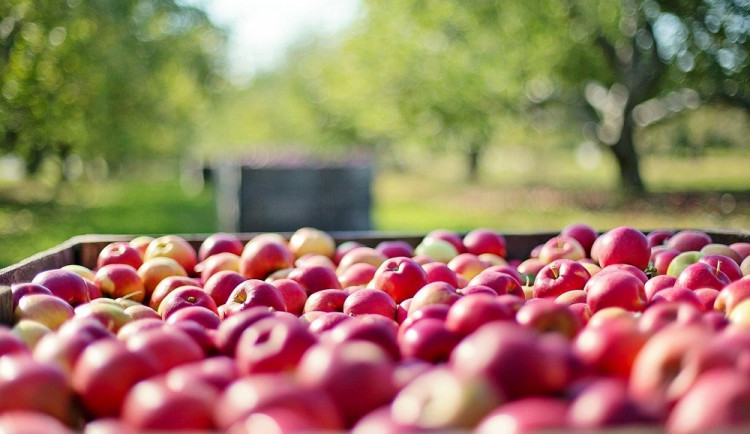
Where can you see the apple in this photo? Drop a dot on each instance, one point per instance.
(658, 237)
(722, 249)
(272, 344)
(484, 240)
(166, 346)
(529, 268)
(108, 312)
(216, 372)
(29, 421)
(45, 309)
(104, 373)
(183, 297)
(167, 285)
(370, 301)
(440, 250)
(220, 242)
(623, 245)
(742, 248)
(662, 259)
(476, 289)
(559, 277)
(400, 278)
(428, 339)
(502, 283)
(682, 261)
(230, 329)
(30, 385)
(141, 243)
(702, 275)
(529, 414)
(88, 327)
(561, 247)
(395, 248)
(215, 263)
(263, 256)
(677, 294)
(327, 300)
(326, 321)
(220, 285)
(609, 347)
(314, 259)
(637, 272)
(343, 248)
(140, 311)
(62, 350)
(440, 400)
(433, 293)
(375, 329)
(206, 317)
(548, 316)
(450, 236)
(358, 376)
(119, 252)
(359, 274)
(615, 289)
(19, 290)
(120, 280)
(688, 240)
(80, 270)
(467, 265)
(65, 284)
(667, 312)
(359, 254)
(293, 293)
(583, 233)
(604, 403)
(732, 294)
(315, 278)
(745, 266)
(155, 270)
(30, 332)
(308, 240)
(724, 264)
(252, 293)
(657, 283)
(707, 297)
(175, 247)
(11, 343)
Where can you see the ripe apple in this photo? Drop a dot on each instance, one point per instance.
(166, 346)
(375, 329)
(65, 284)
(532, 413)
(677, 294)
(400, 278)
(437, 249)
(251, 293)
(428, 339)
(742, 248)
(561, 247)
(605, 403)
(433, 293)
(450, 236)
(658, 237)
(688, 240)
(708, 297)
(141, 243)
(273, 344)
(722, 249)
(29, 421)
(45, 309)
(327, 300)
(80, 270)
(293, 293)
(583, 233)
(263, 256)
(343, 248)
(662, 259)
(220, 285)
(308, 240)
(315, 278)
(624, 245)
(231, 328)
(657, 283)
(529, 268)
(220, 242)
(502, 283)
(667, 312)
(327, 321)
(395, 248)
(119, 252)
(359, 254)
(615, 289)
(702, 275)
(108, 312)
(30, 385)
(637, 272)
(10, 342)
(724, 264)
(558, 277)
(120, 280)
(167, 285)
(467, 265)
(175, 247)
(30, 332)
(19, 290)
(358, 274)
(154, 270)
(183, 297)
(207, 318)
(732, 294)
(215, 263)
(370, 301)
(138, 311)
(548, 316)
(216, 372)
(484, 240)
(571, 297)
(610, 347)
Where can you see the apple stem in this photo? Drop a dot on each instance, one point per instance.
(554, 271)
(718, 267)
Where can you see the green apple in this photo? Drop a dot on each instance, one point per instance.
(681, 261)
(437, 249)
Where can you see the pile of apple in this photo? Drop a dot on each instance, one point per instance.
(592, 331)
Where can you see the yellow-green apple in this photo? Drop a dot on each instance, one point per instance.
(559, 277)
(745, 266)
(138, 311)
(400, 278)
(724, 264)
(395, 248)
(433, 293)
(263, 256)
(220, 242)
(273, 344)
(308, 240)
(437, 249)
(529, 414)
(19, 290)
(107, 311)
(166, 346)
(154, 270)
(65, 284)
(215, 263)
(429, 340)
(167, 285)
(450, 236)
(80, 270)
(545, 316)
(120, 280)
(357, 375)
(561, 247)
(141, 243)
(30, 385)
(104, 373)
(359, 274)
(721, 249)
(502, 283)
(658, 237)
(315, 278)
(609, 347)
(657, 283)
(688, 240)
(583, 233)
(119, 252)
(175, 247)
(623, 245)
(702, 275)
(154, 405)
(30, 332)
(441, 400)
(326, 300)
(252, 293)
(370, 301)
(46, 309)
(468, 265)
(293, 293)
(682, 261)
(664, 313)
(186, 296)
(605, 403)
(484, 240)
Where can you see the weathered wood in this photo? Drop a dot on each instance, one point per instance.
(6, 305)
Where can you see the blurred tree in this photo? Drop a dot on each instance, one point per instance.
(99, 78)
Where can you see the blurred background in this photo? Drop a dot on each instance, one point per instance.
(152, 116)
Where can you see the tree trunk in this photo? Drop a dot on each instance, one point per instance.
(626, 156)
(473, 156)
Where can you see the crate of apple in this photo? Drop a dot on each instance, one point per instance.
(309, 331)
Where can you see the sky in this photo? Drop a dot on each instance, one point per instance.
(260, 30)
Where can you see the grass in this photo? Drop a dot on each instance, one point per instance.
(519, 191)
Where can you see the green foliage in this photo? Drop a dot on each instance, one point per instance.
(113, 79)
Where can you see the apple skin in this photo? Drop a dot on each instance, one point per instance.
(107, 311)
(359, 274)
(400, 278)
(327, 321)
(220, 285)
(731, 295)
(220, 242)
(231, 328)
(358, 376)
(120, 280)
(559, 277)
(26, 421)
(662, 258)
(682, 261)
(484, 240)
(375, 329)
(215, 263)
(610, 347)
(293, 293)
(205, 317)
(395, 248)
(615, 289)
(30, 385)
(724, 264)
(688, 240)
(315, 278)
(119, 252)
(65, 284)
(657, 283)
(370, 301)
(677, 294)
(308, 240)
(666, 312)
(708, 297)
(658, 237)
(637, 272)
(154, 270)
(46, 309)
(529, 269)
(571, 297)
(502, 283)
(18, 290)
(10, 343)
(605, 403)
(437, 249)
(361, 254)
(263, 256)
(440, 272)
(140, 243)
(433, 293)
(547, 316)
(529, 414)
(623, 245)
(583, 233)
(450, 236)
(327, 300)
(702, 275)
(273, 344)
(561, 247)
(104, 373)
(175, 247)
(467, 264)
(429, 340)
(167, 285)
(722, 249)
(742, 248)
(183, 297)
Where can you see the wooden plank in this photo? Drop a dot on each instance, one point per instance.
(6, 305)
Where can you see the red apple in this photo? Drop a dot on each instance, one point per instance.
(428, 339)
(502, 283)
(702, 275)
(107, 311)
(571, 297)
(141, 243)
(220, 242)
(732, 294)
(166, 346)
(724, 264)
(742, 248)
(583, 233)
(359, 254)
(395, 248)
(358, 274)
(450, 236)
(624, 245)
(155, 270)
(309, 240)
(561, 247)
(708, 297)
(400, 278)
(220, 285)
(662, 258)
(605, 403)
(216, 372)
(529, 269)
(30, 385)
(723, 250)
(483, 240)
(657, 283)
(343, 248)
(375, 329)
(252, 293)
(327, 321)
(615, 289)
(183, 297)
(610, 347)
(167, 285)
(315, 278)
(231, 328)
(658, 237)
(293, 293)
(327, 300)
(433, 293)
(529, 414)
(45, 309)
(548, 316)
(215, 263)
(29, 421)
(272, 344)
(677, 294)
(263, 256)
(476, 289)
(666, 312)
(467, 265)
(558, 277)
(65, 284)
(370, 301)
(688, 240)
(119, 252)
(207, 318)
(18, 290)
(120, 280)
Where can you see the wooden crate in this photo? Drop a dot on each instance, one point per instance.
(84, 250)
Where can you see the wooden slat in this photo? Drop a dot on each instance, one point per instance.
(6, 305)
